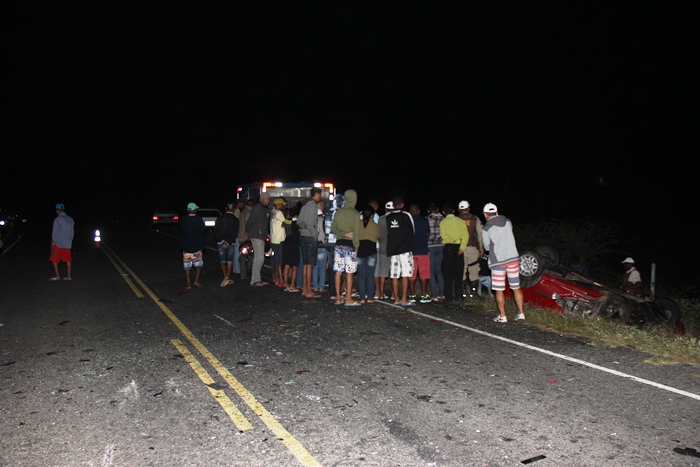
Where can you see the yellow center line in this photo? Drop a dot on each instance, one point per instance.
(229, 407)
(294, 446)
(111, 257)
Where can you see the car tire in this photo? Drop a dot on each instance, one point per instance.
(531, 268)
(667, 311)
(549, 255)
(616, 308)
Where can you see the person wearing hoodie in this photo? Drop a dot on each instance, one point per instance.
(346, 227)
(504, 260)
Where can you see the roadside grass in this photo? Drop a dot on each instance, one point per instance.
(664, 346)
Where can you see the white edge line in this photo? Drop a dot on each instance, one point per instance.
(554, 354)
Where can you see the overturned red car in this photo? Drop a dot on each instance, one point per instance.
(548, 284)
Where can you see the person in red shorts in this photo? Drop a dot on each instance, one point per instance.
(62, 242)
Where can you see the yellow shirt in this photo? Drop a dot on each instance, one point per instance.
(453, 230)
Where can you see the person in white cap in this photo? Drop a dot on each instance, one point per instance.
(632, 280)
(474, 249)
(504, 261)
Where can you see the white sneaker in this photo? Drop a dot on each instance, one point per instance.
(500, 319)
(520, 317)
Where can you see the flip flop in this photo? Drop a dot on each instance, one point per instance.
(408, 304)
(67, 279)
(353, 304)
(311, 296)
(54, 279)
(338, 303)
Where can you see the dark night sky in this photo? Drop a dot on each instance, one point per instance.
(541, 107)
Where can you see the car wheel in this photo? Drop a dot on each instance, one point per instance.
(548, 254)
(531, 269)
(667, 311)
(616, 308)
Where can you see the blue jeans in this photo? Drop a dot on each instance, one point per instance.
(365, 276)
(437, 280)
(319, 275)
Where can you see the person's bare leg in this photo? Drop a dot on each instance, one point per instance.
(187, 280)
(378, 290)
(55, 271)
(501, 302)
(348, 287)
(198, 272)
(68, 268)
(338, 276)
(519, 300)
(395, 290)
(404, 290)
(223, 271)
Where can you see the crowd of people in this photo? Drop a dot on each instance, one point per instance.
(439, 257)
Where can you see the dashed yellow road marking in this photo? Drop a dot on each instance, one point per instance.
(294, 446)
(229, 407)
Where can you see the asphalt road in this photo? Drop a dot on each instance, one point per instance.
(122, 366)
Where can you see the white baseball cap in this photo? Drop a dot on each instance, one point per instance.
(490, 208)
(389, 205)
(463, 205)
(628, 260)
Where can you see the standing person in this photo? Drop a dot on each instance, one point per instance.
(504, 261)
(421, 256)
(367, 256)
(454, 235)
(435, 246)
(484, 276)
(475, 247)
(291, 252)
(226, 234)
(277, 237)
(318, 278)
(257, 231)
(308, 223)
(192, 244)
(237, 244)
(346, 227)
(632, 280)
(383, 266)
(61, 242)
(399, 248)
(243, 237)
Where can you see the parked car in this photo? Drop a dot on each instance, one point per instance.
(548, 284)
(209, 216)
(165, 216)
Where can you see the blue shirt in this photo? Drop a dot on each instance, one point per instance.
(422, 229)
(62, 234)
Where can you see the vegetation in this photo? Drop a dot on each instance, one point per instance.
(664, 346)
